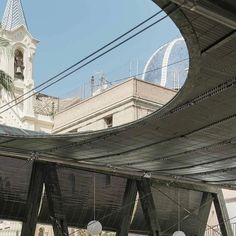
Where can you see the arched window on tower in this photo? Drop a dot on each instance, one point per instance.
(19, 64)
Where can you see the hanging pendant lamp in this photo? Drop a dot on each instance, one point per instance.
(94, 227)
(179, 232)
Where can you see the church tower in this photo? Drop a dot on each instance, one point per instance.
(16, 59)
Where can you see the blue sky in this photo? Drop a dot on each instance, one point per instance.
(70, 30)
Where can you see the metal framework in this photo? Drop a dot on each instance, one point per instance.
(47, 173)
(187, 146)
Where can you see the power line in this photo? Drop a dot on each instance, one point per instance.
(148, 71)
(118, 210)
(90, 61)
(84, 59)
(166, 230)
(188, 212)
(80, 67)
(85, 64)
(140, 74)
(153, 70)
(112, 83)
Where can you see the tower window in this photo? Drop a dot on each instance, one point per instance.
(108, 121)
(19, 64)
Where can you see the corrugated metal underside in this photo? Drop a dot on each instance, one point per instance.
(193, 137)
(77, 195)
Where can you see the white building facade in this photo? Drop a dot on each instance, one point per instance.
(126, 102)
(121, 104)
(17, 51)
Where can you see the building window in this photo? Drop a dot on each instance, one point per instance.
(108, 121)
(19, 64)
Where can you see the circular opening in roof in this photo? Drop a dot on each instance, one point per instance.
(154, 64)
(156, 69)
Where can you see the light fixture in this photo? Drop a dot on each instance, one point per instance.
(147, 175)
(179, 232)
(94, 227)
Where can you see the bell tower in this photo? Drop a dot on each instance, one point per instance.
(17, 60)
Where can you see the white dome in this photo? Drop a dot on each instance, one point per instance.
(168, 66)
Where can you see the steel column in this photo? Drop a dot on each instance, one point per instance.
(204, 212)
(148, 206)
(55, 203)
(222, 214)
(127, 208)
(33, 199)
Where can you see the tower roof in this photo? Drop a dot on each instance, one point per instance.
(13, 16)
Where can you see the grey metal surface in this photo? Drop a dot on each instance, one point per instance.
(192, 138)
(77, 195)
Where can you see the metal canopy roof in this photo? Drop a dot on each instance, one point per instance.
(192, 139)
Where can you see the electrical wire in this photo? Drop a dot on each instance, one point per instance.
(80, 68)
(143, 73)
(166, 230)
(85, 64)
(118, 210)
(58, 80)
(184, 218)
(139, 74)
(90, 55)
(180, 206)
(193, 213)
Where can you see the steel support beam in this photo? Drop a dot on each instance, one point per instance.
(164, 180)
(127, 208)
(55, 203)
(148, 206)
(204, 212)
(185, 185)
(222, 214)
(220, 42)
(33, 199)
(210, 10)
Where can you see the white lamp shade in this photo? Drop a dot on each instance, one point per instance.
(179, 233)
(94, 227)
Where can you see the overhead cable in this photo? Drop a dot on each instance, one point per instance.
(22, 97)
